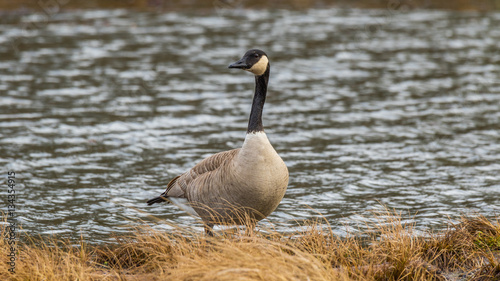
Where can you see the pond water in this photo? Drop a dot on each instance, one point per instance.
(101, 108)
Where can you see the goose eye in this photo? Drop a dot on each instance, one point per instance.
(256, 55)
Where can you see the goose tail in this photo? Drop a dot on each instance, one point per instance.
(159, 199)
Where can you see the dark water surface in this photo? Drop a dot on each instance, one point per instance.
(100, 109)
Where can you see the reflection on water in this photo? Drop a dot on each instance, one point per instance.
(100, 109)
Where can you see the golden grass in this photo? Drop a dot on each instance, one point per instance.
(388, 250)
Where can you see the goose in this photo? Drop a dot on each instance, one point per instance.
(251, 180)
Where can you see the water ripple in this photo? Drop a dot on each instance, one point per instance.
(102, 108)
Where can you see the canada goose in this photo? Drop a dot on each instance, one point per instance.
(252, 178)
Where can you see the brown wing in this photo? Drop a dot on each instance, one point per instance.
(177, 186)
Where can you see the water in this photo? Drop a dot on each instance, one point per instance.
(100, 109)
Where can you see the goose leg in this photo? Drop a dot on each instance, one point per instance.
(209, 227)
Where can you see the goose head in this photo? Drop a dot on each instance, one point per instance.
(254, 60)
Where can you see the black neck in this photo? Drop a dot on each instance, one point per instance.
(255, 122)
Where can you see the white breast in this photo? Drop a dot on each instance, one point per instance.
(258, 162)
(262, 174)
(257, 147)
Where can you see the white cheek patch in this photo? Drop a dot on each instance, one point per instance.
(260, 67)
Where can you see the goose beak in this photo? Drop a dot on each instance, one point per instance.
(241, 64)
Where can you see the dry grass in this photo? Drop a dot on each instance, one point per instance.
(389, 250)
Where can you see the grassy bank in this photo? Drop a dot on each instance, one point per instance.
(468, 250)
